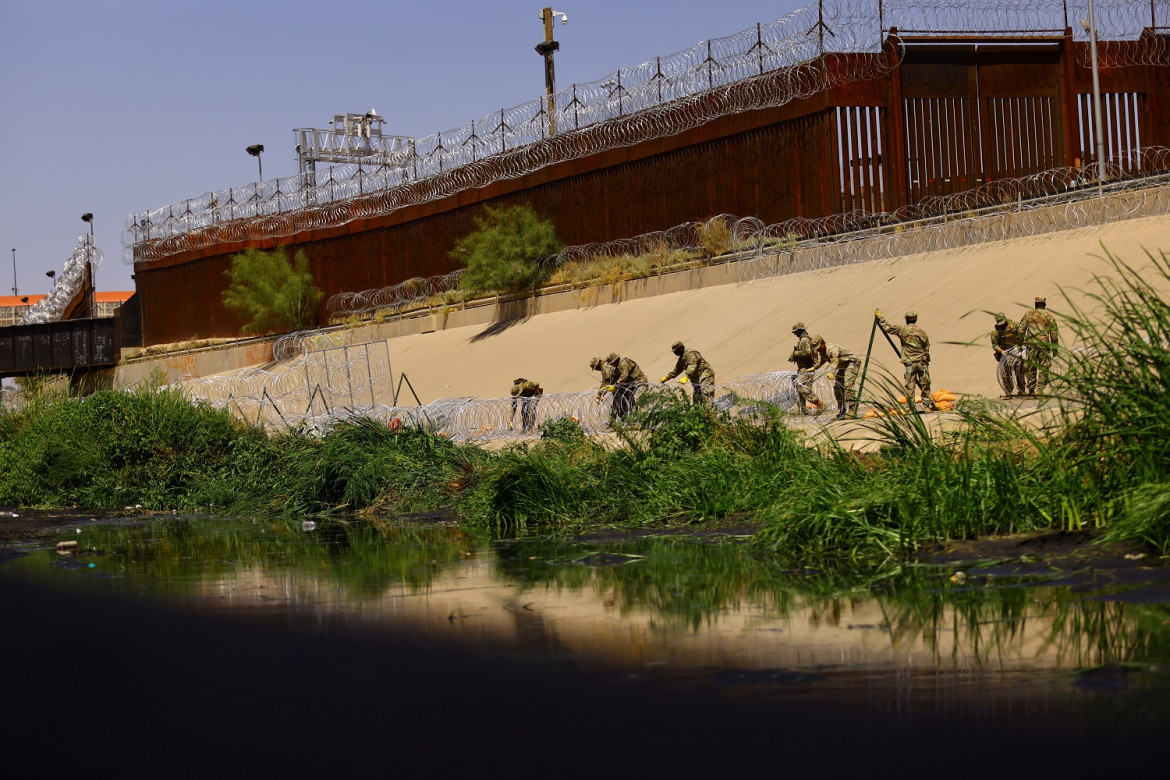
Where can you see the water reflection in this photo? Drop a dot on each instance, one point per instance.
(704, 609)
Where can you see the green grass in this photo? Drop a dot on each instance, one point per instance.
(1102, 462)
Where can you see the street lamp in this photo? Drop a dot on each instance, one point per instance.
(87, 218)
(546, 49)
(1090, 26)
(255, 150)
(14, 290)
(52, 278)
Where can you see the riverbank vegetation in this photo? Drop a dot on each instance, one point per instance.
(1100, 461)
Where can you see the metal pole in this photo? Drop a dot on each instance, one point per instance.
(546, 49)
(865, 366)
(14, 290)
(1098, 124)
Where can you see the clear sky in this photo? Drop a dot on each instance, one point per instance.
(120, 106)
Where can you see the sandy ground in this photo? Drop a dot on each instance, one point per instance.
(746, 328)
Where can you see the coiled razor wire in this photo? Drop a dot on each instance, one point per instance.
(765, 66)
(1046, 202)
(69, 283)
(1009, 371)
(326, 382)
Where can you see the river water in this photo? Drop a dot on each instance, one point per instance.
(995, 638)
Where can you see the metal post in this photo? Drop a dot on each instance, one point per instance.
(1098, 124)
(14, 290)
(88, 294)
(546, 49)
(865, 366)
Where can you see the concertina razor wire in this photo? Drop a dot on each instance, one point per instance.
(764, 66)
(321, 379)
(69, 283)
(1045, 202)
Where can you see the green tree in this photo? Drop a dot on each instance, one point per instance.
(506, 250)
(271, 293)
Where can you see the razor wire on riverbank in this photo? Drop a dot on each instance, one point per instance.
(765, 66)
(1050, 201)
(331, 382)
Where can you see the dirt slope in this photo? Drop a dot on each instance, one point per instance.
(746, 328)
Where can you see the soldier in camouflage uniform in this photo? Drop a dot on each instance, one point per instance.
(625, 382)
(1039, 334)
(804, 355)
(915, 356)
(528, 393)
(1006, 336)
(697, 371)
(845, 366)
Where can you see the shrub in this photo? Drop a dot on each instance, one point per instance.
(715, 237)
(507, 250)
(563, 429)
(271, 293)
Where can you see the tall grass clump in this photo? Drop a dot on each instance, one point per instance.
(1116, 391)
(111, 449)
(677, 462)
(920, 486)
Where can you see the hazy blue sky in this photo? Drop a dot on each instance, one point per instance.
(119, 106)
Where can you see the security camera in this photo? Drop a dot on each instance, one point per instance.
(564, 18)
(1085, 25)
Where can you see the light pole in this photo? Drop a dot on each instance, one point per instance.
(14, 290)
(546, 49)
(1090, 26)
(52, 279)
(255, 150)
(87, 218)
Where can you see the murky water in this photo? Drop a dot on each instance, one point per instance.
(678, 610)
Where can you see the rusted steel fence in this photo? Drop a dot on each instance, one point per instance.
(843, 107)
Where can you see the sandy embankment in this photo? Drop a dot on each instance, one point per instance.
(746, 328)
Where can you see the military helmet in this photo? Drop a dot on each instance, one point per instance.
(1040, 300)
(612, 357)
(677, 347)
(595, 363)
(1000, 320)
(518, 381)
(911, 316)
(797, 327)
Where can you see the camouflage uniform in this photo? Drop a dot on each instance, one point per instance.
(625, 382)
(528, 392)
(1039, 335)
(846, 367)
(1005, 337)
(915, 356)
(698, 371)
(804, 355)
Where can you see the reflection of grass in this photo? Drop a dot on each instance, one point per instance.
(359, 558)
(686, 584)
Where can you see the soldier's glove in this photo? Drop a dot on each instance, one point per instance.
(877, 312)
(830, 376)
(663, 380)
(682, 381)
(608, 388)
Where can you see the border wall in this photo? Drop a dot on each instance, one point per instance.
(936, 116)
